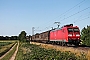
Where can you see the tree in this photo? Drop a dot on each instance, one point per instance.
(22, 36)
(85, 35)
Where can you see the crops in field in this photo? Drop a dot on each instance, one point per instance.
(34, 52)
(4, 43)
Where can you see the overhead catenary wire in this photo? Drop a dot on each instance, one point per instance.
(82, 17)
(48, 23)
(65, 12)
(87, 15)
(75, 13)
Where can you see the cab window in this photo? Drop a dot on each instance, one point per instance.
(70, 30)
(76, 30)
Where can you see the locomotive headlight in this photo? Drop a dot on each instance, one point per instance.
(69, 34)
(77, 35)
(78, 38)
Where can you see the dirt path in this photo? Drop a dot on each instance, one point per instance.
(14, 55)
(7, 52)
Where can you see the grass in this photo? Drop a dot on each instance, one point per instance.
(19, 55)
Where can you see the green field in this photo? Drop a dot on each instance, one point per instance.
(34, 52)
(4, 43)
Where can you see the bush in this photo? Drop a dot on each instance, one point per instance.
(85, 36)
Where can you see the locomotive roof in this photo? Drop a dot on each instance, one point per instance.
(68, 25)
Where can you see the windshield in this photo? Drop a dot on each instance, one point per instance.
(70, 30)
(73, 30)
(76, 30)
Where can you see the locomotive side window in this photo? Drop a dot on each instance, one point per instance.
(76, 30)
(70, 30)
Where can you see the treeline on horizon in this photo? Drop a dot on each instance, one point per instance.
(9, 38)
(12, 38)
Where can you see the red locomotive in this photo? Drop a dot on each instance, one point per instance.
(68, 34)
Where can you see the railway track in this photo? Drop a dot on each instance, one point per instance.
(82, 47)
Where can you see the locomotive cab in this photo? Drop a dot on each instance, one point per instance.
(73, 35)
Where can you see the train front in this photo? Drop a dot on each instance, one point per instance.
(73, 35)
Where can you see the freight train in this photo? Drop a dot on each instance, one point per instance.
(68, 34)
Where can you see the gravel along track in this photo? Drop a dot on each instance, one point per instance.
(73, 49)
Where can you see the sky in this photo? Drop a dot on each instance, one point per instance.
(22, 15)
